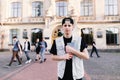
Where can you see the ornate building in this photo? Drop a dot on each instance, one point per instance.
(94, 20)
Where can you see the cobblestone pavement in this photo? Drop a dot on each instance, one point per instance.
(107, 67)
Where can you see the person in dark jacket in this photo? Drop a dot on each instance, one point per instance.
(27, 50)
(37, 49)
(94, 49)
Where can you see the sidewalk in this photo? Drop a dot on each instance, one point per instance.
(107, 67)
(34, 71)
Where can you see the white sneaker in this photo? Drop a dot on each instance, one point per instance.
(27, 62)
(30, 60)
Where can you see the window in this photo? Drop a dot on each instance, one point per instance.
(37, 9)
(61, 8)
(86, 8)
(24, 33)
(16, 9)
(13, 32)
(112, 36)
(111, 7)
(87, 35)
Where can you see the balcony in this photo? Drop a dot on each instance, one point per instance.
(36, 20)
(86, 18)
(111, 18)
(24, 20)
(13, 20)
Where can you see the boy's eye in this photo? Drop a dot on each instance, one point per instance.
(65, 25)
(69, 25)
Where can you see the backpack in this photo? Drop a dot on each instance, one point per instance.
(45, 45)
(38, 47)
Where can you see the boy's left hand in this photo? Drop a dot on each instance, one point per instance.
(69, 49)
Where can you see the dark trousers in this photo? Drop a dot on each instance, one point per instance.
(94, 50)
(15, 54)
(62, 79)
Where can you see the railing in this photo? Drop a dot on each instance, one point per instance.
(36, 20)
(111, 18)
(25, 20)
(104, 19)
(86, 18)
(58, 19)
(13, 20)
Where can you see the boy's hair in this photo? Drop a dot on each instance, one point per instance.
(67, 19)
(14, 37)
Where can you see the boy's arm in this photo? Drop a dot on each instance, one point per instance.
(20, 48)
(62, 57)
(82, 55)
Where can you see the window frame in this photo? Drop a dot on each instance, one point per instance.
(111, 8)
(16, 9)
(35, 8)
(61, 8)
(112, 34)
(86, 8)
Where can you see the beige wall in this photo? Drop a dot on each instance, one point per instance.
(49, 21)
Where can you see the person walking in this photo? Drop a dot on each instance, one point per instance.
(43, 46)
(37, 49)
(16, 49)
(69, 50)
(94, 49)
(27, 50)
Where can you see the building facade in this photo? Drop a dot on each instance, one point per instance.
(97, 20)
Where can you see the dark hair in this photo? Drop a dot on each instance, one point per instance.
(14, 37)
(67, 19)
(26, 37)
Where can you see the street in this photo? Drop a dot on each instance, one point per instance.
(107, 67)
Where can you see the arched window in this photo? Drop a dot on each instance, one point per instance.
(36, 33)
(61, 8)
(37, 9)
(87, 35)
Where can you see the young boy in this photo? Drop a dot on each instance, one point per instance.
(70, 57)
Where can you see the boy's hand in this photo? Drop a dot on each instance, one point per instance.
(68, 56)
(69, 49)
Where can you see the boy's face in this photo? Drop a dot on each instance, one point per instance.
(14, 39)
(67, 27)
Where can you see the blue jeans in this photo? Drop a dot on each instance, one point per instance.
(27, 54)
(42, 54)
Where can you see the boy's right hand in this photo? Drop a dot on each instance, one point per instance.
(68, 56)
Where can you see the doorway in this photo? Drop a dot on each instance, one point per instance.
(36, 33)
